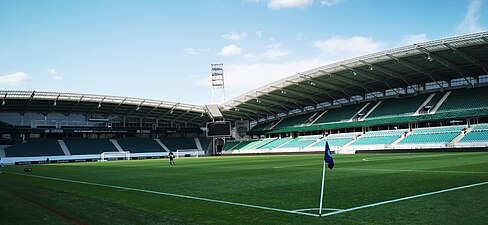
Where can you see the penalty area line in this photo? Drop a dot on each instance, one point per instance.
(403, 199)
(168, 194)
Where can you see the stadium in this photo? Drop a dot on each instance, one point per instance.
(398, 136)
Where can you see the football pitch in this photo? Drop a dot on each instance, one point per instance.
(415, 188)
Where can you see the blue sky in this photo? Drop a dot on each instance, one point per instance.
(163, 49)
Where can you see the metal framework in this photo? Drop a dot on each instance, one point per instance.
(218, 85)
(407, 67)
(86, 104)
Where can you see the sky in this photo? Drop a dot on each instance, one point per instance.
(162, 50)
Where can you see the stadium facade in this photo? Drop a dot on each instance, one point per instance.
(426, 95)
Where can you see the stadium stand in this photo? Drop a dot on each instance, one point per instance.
(34, 147)
(337, 140)
(229, 145)
(293, 121)
(301, 142)
(339, 114)
(435, 100)
(205, 142)
(398, 106)
(138, 145)
(276, 143)
(82, 146)
(383, 138)
(432, 135)
(479, 133)
(179, 143)
(463, 99)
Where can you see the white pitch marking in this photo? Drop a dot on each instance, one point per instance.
(328, 209)
(402, 199)
(168, 194)
(418, 171)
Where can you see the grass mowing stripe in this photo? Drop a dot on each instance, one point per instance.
(55, 211)
(403, 199)
(168, 194)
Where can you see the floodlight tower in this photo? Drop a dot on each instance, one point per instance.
(218, 88)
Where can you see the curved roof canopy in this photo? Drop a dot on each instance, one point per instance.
(432, 62)
(87, 104)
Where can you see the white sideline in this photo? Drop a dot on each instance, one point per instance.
(167, 194)
(402, 199)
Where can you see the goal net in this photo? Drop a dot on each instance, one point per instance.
(105, 156)
(186, 153)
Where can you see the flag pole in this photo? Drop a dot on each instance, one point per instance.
(322, 190)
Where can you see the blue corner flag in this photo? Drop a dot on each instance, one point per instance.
(328, 156)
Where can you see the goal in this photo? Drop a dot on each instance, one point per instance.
(105, 156)
(186, 153)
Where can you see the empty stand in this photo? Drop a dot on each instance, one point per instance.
(398, 106)
(384, 137)
(82, 146)
(474, 98)
(179, 143)
(276, 143)
(138, 145)
(339, 114)
(478, 134)
(301, 142)
(34, 147)
(293, 121)
(432, 135)
(229, 145)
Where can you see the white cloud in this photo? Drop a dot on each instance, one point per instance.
(56, 75)
(274, 51)
(235, 36)
(330, 2)
(413, 39)
(278, 4)
(231, 50)
(53, 72)
(15, 79)
(345, 47)
(470, 21)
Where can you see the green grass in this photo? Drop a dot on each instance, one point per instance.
(289, 182)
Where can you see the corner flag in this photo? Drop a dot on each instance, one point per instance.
(330, 163)
(328, 156)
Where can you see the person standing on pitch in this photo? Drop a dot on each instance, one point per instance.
(171, 158)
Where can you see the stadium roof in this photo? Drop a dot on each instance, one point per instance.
(433, 62)
(87, 104)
